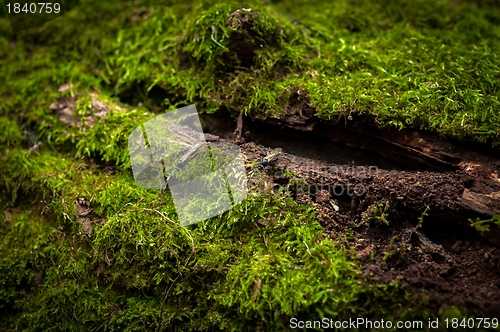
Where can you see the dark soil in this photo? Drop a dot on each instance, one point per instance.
(410, 224)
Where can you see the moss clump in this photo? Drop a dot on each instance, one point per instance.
(83, 248)
(484, 225)
(56, 274)
(434, 68)
(116, 279)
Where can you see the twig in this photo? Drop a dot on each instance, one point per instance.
(125, 206)
(307, 247)
(50, 144)
(67, 170)
(35, 148)
(239, 126)
(214, 35)
(265, 242)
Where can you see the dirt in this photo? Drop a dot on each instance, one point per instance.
(64, 107)
(411, 224)
(465, 273)
(405, 196)
(85, 217)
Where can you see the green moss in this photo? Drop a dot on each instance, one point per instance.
(11, 133)
(426, 68)
(403, 67)
(120, 273)
(484, 225)
(377, 213)
(108, 138)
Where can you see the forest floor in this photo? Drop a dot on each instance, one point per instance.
(447, 185)
(383, 204)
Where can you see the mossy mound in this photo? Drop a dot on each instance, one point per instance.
(82, 248)
(433, 67)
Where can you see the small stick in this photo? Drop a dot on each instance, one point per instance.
(265, 242)
(239, 126)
